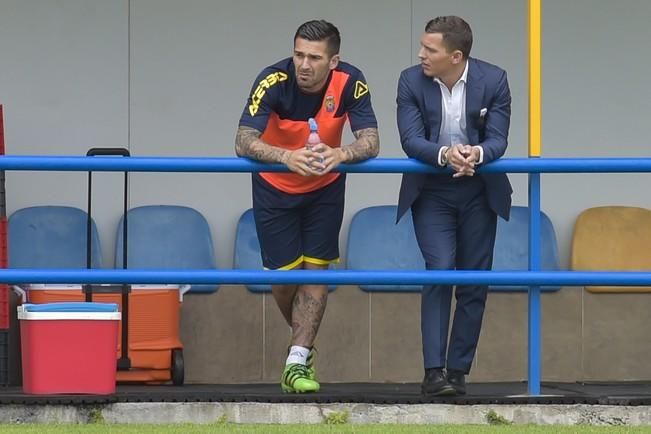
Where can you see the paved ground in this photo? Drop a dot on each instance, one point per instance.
(560, 403)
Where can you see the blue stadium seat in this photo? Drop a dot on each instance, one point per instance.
(376, 242)
(247, 250)
(167, 237)
(51, 237)
(512, 247)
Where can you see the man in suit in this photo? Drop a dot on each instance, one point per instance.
(453, 111)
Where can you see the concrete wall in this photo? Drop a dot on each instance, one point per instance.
(169, 78)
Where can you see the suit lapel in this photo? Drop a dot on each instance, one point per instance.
(432, 105)
(474, 98)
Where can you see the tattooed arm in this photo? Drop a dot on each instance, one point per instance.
(366, 145)
(248, 144)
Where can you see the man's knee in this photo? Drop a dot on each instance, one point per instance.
(441, 264)
(284, 290)
(313, 266)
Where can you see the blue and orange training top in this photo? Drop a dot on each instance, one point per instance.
(280, 110)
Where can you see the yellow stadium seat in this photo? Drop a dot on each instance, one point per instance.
(612, 238)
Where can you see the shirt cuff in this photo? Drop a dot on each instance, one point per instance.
(441, 159)
(481, 154)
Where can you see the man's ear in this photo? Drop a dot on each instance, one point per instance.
(457, 57)
(334, 61)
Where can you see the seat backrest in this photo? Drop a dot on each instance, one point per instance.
(376, 242)
(612, 238)
(167, 237)
(247, 249)
(511, 251)
(246, 255)
(51, 237)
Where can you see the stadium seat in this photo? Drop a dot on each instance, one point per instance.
(376, 242)
(247, 249)
(512, 247)
(167, 237)
(51, 237)
(246, 255)
(612, 238)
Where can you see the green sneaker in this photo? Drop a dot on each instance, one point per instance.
(310, 363)
(296, 379)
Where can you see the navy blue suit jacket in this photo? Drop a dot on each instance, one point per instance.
(419, 123)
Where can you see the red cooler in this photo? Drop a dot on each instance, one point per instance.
(69, 347)
(155, 346)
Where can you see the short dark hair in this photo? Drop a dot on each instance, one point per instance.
(457, 34)
(320, 30)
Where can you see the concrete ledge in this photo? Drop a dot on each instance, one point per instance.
(206, 412)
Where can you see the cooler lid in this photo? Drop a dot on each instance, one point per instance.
(71, 307)
(77, 287)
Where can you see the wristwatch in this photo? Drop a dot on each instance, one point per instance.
(444, 156)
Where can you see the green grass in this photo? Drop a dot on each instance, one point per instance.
(312, 429)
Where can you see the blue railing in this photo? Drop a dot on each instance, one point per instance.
(533, 278)
(327, 277)
(378, 165)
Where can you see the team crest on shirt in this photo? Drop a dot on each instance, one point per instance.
(330, 103)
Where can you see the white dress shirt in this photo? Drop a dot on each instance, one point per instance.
(453, 116)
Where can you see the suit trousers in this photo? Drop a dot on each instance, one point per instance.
(455, 229)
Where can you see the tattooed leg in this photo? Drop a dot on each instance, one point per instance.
(309, 307)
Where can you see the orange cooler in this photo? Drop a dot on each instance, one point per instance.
(69, 347)
(155, 348)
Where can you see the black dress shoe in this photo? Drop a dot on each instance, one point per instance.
(436, 384)
(457, 379)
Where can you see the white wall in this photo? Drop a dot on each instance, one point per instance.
(168, 77)
(596, 103)
(64, 86)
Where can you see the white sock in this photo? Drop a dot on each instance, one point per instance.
(297, 355)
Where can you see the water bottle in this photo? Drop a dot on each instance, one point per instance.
(313, 139)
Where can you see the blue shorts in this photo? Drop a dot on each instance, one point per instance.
(297, 228)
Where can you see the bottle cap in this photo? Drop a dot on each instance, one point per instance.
(313, 125)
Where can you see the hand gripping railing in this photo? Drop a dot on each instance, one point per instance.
(534, 278)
